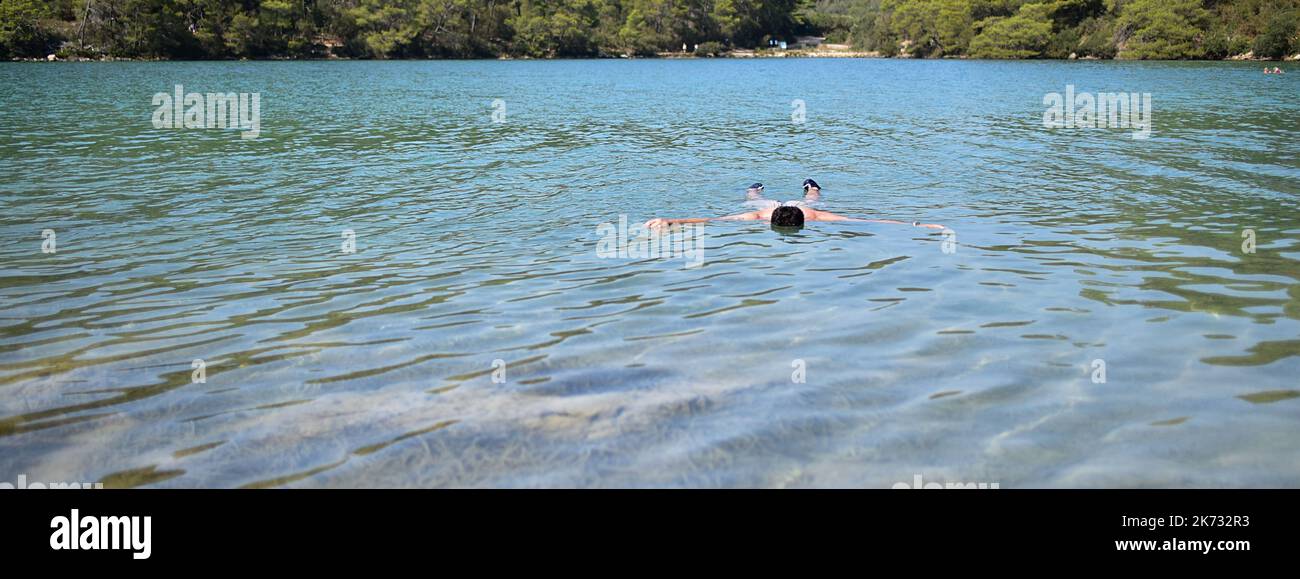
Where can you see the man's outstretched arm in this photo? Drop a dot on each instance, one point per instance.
(663, 222)
(828, 216)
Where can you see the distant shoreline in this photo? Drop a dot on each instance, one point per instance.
(739, 55)
(824, 50)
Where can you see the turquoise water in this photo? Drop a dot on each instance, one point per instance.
(476, 241)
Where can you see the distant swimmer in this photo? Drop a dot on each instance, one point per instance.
(754, 191)
(1277, 70)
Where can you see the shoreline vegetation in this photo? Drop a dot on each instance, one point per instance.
(83, 30)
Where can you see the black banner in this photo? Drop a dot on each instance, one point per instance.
(320, 528)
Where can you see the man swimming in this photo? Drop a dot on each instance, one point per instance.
(789, 214)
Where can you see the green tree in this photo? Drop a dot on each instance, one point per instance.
(746, 22)
(546, 28)
(20, 32)
(1279, 36)
(1162, 29)
(384, 28)
(648, 27)
(931, 27)
(1097, 38)
(1024, 35)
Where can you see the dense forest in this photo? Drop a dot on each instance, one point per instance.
(203, 29)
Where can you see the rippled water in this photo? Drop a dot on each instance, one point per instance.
(476, 241)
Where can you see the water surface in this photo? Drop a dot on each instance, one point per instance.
(476, 241)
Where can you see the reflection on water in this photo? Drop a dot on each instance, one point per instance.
(475, 338)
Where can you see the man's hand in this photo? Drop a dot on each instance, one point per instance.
(658, 222)
(930, 226)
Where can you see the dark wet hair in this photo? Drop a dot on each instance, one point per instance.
(810, 183)
(787, 216)
(756, 186)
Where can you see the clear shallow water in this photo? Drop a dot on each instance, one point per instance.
(477, 241)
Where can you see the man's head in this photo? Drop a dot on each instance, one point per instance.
(755, 190)
(810, 184)
(787, 216)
